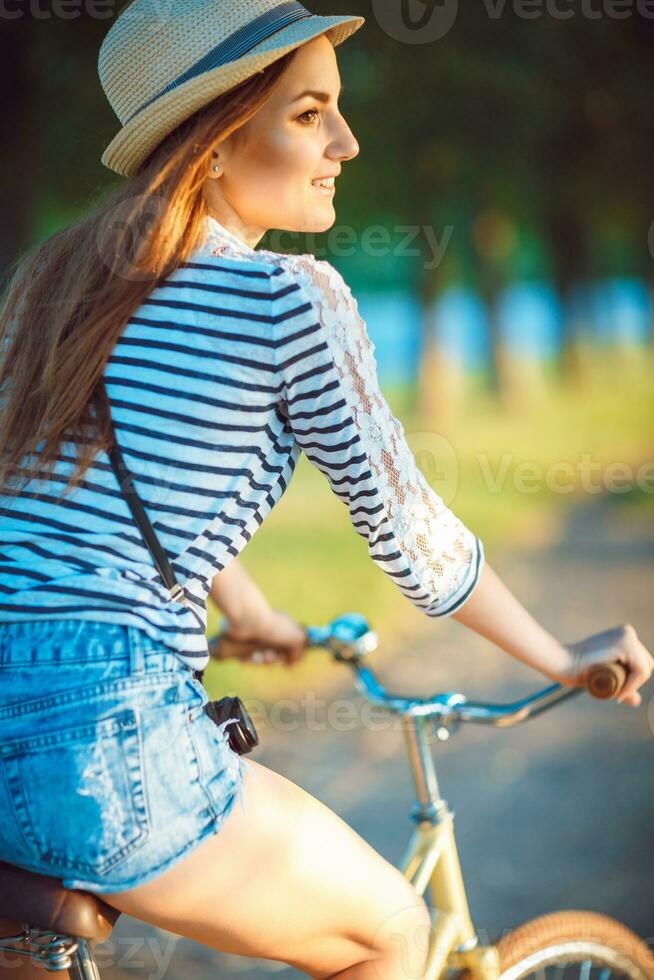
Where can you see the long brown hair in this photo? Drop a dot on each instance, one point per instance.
(68, 298)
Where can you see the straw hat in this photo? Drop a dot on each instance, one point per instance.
(162, 60)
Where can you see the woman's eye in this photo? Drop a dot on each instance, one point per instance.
(310, 112)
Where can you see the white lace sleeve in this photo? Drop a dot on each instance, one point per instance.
(345, 427)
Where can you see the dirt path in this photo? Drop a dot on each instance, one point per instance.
(556, 813)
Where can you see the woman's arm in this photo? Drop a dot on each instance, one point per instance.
(494, 612)
(340, 419)
(239, 598)
(254, 631)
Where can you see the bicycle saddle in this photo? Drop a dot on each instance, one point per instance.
(44, 904)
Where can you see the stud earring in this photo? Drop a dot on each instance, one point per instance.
(217, 167)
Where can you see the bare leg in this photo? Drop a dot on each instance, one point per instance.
(287, 879)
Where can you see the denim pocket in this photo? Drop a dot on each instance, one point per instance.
(97, 769)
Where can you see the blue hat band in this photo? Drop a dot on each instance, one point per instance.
(236, 45)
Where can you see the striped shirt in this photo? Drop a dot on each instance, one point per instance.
(233, 365)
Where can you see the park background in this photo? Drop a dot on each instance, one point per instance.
(497, 232)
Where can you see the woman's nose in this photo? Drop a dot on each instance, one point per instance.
(353, 150)
(345, 146)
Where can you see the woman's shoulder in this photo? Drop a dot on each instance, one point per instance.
(317, 276)
(220, 243)
(297, 262)
(286, 272)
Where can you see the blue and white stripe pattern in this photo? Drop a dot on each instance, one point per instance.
(218, 381)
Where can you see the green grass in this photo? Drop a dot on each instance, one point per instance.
(311, 563)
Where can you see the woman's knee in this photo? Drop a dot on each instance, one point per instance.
(402, 939)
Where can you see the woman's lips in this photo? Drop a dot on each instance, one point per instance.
(326, 186)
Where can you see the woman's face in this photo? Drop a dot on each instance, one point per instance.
(270, 166)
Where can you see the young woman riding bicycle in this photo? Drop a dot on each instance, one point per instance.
(222, 362)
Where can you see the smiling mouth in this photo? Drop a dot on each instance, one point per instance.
(325, 186)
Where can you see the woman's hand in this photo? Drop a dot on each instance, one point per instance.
(621, 645)
(273, 638)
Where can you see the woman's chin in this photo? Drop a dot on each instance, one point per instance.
(322, 220)
(312, 221)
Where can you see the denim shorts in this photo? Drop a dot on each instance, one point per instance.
(110, 771)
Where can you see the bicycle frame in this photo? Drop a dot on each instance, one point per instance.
(431, 860)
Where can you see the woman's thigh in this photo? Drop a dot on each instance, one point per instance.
(284, 878)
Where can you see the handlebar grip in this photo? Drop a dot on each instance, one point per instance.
(606, 680)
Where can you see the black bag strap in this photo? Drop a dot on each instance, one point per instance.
(128, 490)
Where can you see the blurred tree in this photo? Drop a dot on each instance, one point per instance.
(542, 122)
(19, 84)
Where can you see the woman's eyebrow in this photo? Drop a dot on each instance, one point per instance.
(320, 96)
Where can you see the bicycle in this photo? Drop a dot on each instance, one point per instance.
(56, 927)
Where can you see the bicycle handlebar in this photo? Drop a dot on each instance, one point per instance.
(606, 680)
(349, 639)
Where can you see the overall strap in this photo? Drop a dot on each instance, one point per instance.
(128, 490)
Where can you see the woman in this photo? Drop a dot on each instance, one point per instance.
(222, 362)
